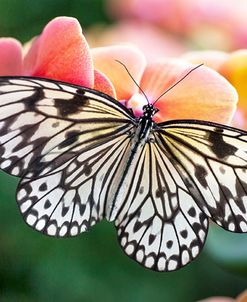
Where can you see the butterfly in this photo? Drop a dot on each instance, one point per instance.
(82, 156)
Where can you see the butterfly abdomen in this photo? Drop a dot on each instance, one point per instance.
(128, 168)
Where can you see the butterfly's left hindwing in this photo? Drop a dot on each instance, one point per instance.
(212, 161)
(66, 142)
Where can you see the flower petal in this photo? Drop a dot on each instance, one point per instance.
(235, 70)
(151, 40)
(204, 94)
(10, 57)
(105, 60)
(242, 297)
(62, 53)
(102, 83)
(218, 299)
(31, 50)
(211, 58)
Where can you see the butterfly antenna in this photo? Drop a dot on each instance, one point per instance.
(177, 82)
(134, 80)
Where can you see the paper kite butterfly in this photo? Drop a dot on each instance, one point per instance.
(82, 156)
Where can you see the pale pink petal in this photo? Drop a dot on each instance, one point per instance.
(170, 14)
(150, 39)
(218, 299)
(242, 297)
(10, 57)
(211, 58)
(102, 83)
(203, 94)
(31, 56)
(62, 53)
(105, 60)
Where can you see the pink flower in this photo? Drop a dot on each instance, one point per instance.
(206, 23)
(241, 298)
(204, 94)
(61, 52)
(151, 40)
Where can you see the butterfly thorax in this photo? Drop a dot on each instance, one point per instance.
(145, 123)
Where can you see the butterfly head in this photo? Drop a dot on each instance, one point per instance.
(149, 110)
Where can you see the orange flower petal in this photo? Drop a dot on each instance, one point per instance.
(242, 297)
(105, 60)
(62, 53)
(235, 70)
(10, 57)
(102, 83)
(204, 94)
(211, 58)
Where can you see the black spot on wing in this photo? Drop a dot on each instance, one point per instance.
(141, 190)
(55, 125)
(87, 170)
(200, 174)
(47, 204)
(43, 187)
(137, 226)
(71, 138)
(160, 192)
(31, 101)
(219, 146)
(184, 234)
(65, 211)
(151, 239)
(169, 244)
(192, 212)
(71, 106)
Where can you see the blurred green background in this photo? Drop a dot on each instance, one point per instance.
(92, 266)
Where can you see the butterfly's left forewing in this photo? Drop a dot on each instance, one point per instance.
(66, 142)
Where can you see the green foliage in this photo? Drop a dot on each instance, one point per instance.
(229, 250)
(24, 19)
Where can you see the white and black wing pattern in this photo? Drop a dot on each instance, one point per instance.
(42, 118)
(212, 161)
(159, 224)
(66, 142)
